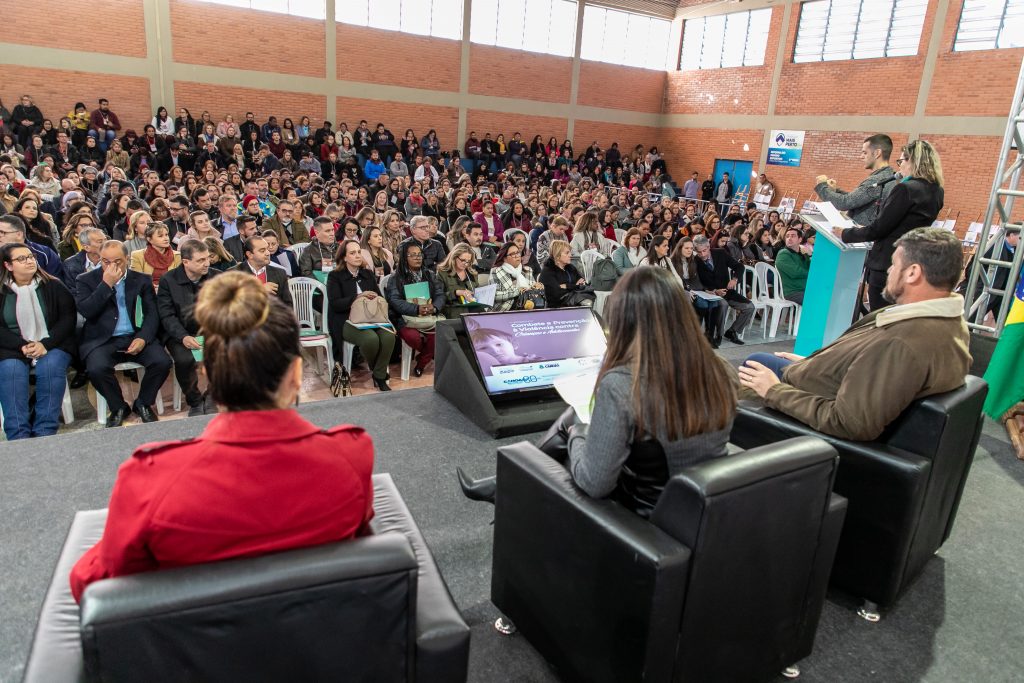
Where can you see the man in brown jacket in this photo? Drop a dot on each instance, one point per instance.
(862, 381)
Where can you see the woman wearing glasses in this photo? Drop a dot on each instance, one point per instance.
(458, 276)
(38, 332)
(913, 203)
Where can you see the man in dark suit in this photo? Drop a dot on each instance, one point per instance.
(176, 300)
(108, 298)
(177, 223)
(176, 155)
(87, 259)
(257, 262)
(719, 273)
(235, 245)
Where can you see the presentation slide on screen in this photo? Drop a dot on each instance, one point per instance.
(524, 350)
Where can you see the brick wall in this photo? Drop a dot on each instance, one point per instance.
(223, 99)
(971, 83)
(215, 35)
(522, 75)
(737, 90)
(56, 91)
(621, 87)
(494, 122)
(110, 27)
(968, 165)
(695, 149)
(628, 137)
(368, 54)
(398, 116)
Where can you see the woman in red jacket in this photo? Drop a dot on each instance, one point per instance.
(259, 479)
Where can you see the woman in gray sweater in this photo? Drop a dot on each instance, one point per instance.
(664, 400)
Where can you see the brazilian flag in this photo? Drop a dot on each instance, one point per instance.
(1005, 374)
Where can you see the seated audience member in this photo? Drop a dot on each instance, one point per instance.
(658, 254)
(431, 249)
(200, 227)
(793, 264)
(511, 276)
(630, 254)
(319, 255)
(279, 256)
(109, 299)
(419, 335)
(220, 260)
(257, 262)
(557, 231)
(317, 481)
(375, 256)
(854, 387)
(711, 313)
(492, 228)
(235, 245)
(718, 272)
(473, 235)
(38, 333)
(588, 235)
(644, 428)
(158, 257)
(344, 284)
(87, 259)
(522, 240)
(175, 300)
(134, 237)
(13, 231)
(458, 276)
(563, 284)
(289, 231)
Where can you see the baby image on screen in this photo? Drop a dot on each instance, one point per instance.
(496, 347)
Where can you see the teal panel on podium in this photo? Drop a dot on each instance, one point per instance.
(831, 293)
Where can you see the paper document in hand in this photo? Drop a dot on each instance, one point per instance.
(485, 295)
(578, 391)
(707, 296)
(833, 216)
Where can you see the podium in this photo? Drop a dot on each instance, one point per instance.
(830, 297)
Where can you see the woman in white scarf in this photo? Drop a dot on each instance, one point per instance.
(511, 277)
(37, 327)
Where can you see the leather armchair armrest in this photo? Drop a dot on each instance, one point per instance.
(591, 558)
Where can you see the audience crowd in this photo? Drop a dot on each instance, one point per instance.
(126, 227)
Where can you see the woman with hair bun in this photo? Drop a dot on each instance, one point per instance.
(259, 479)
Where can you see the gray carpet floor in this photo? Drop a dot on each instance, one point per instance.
(963, 620)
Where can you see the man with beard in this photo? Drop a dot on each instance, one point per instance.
(854, 387)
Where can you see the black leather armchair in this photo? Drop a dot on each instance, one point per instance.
(725, 582)
(370, 609)
(903, 489)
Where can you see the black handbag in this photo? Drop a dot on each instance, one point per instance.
(581, 297)
(530, 300)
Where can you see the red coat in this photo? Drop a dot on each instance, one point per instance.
(254, 482)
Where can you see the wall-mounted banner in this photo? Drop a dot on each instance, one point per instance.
(785, 147)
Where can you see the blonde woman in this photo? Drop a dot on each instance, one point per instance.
(391, 222)
(135, 238)
(117, 156)
(458, 276)
(914, 202)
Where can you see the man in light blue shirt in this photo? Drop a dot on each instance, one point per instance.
(692, 187)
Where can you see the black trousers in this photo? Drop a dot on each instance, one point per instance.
(876, 284)
(100, 365)
(185, 372)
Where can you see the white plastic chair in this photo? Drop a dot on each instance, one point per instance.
(588, 258)
(755, 294)
(620, 235)
(775, 302)
(407, 350)
(298, 248)
(312, 335)
(101, 403)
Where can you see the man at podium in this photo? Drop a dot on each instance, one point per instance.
(861, 382)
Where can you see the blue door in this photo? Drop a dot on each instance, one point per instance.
(739, 173)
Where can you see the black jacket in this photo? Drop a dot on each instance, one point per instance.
(275, 275)
(718, 278)
(433, 252)
(341, 293)
(913, 203)
(73, 267)
(553, 277)
(176, 300)
(234, 246)
(97, 303)
(58, 310)
(398, 306)
(165, 163)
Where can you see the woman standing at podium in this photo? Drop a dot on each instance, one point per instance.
(913, 203)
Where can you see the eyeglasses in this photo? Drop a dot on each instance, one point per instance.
(27, 258)
(465, 261)
(901, 160)
(414, 255)
(513, 254)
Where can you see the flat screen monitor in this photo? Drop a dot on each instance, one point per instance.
(520, 351)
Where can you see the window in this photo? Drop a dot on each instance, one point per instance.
(311, 9)
(438, 18)
(990, 24)
(725, 40)
(858, 29)
(618, 37)
(547, 26)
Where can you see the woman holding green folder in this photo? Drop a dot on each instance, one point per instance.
(415, 297)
